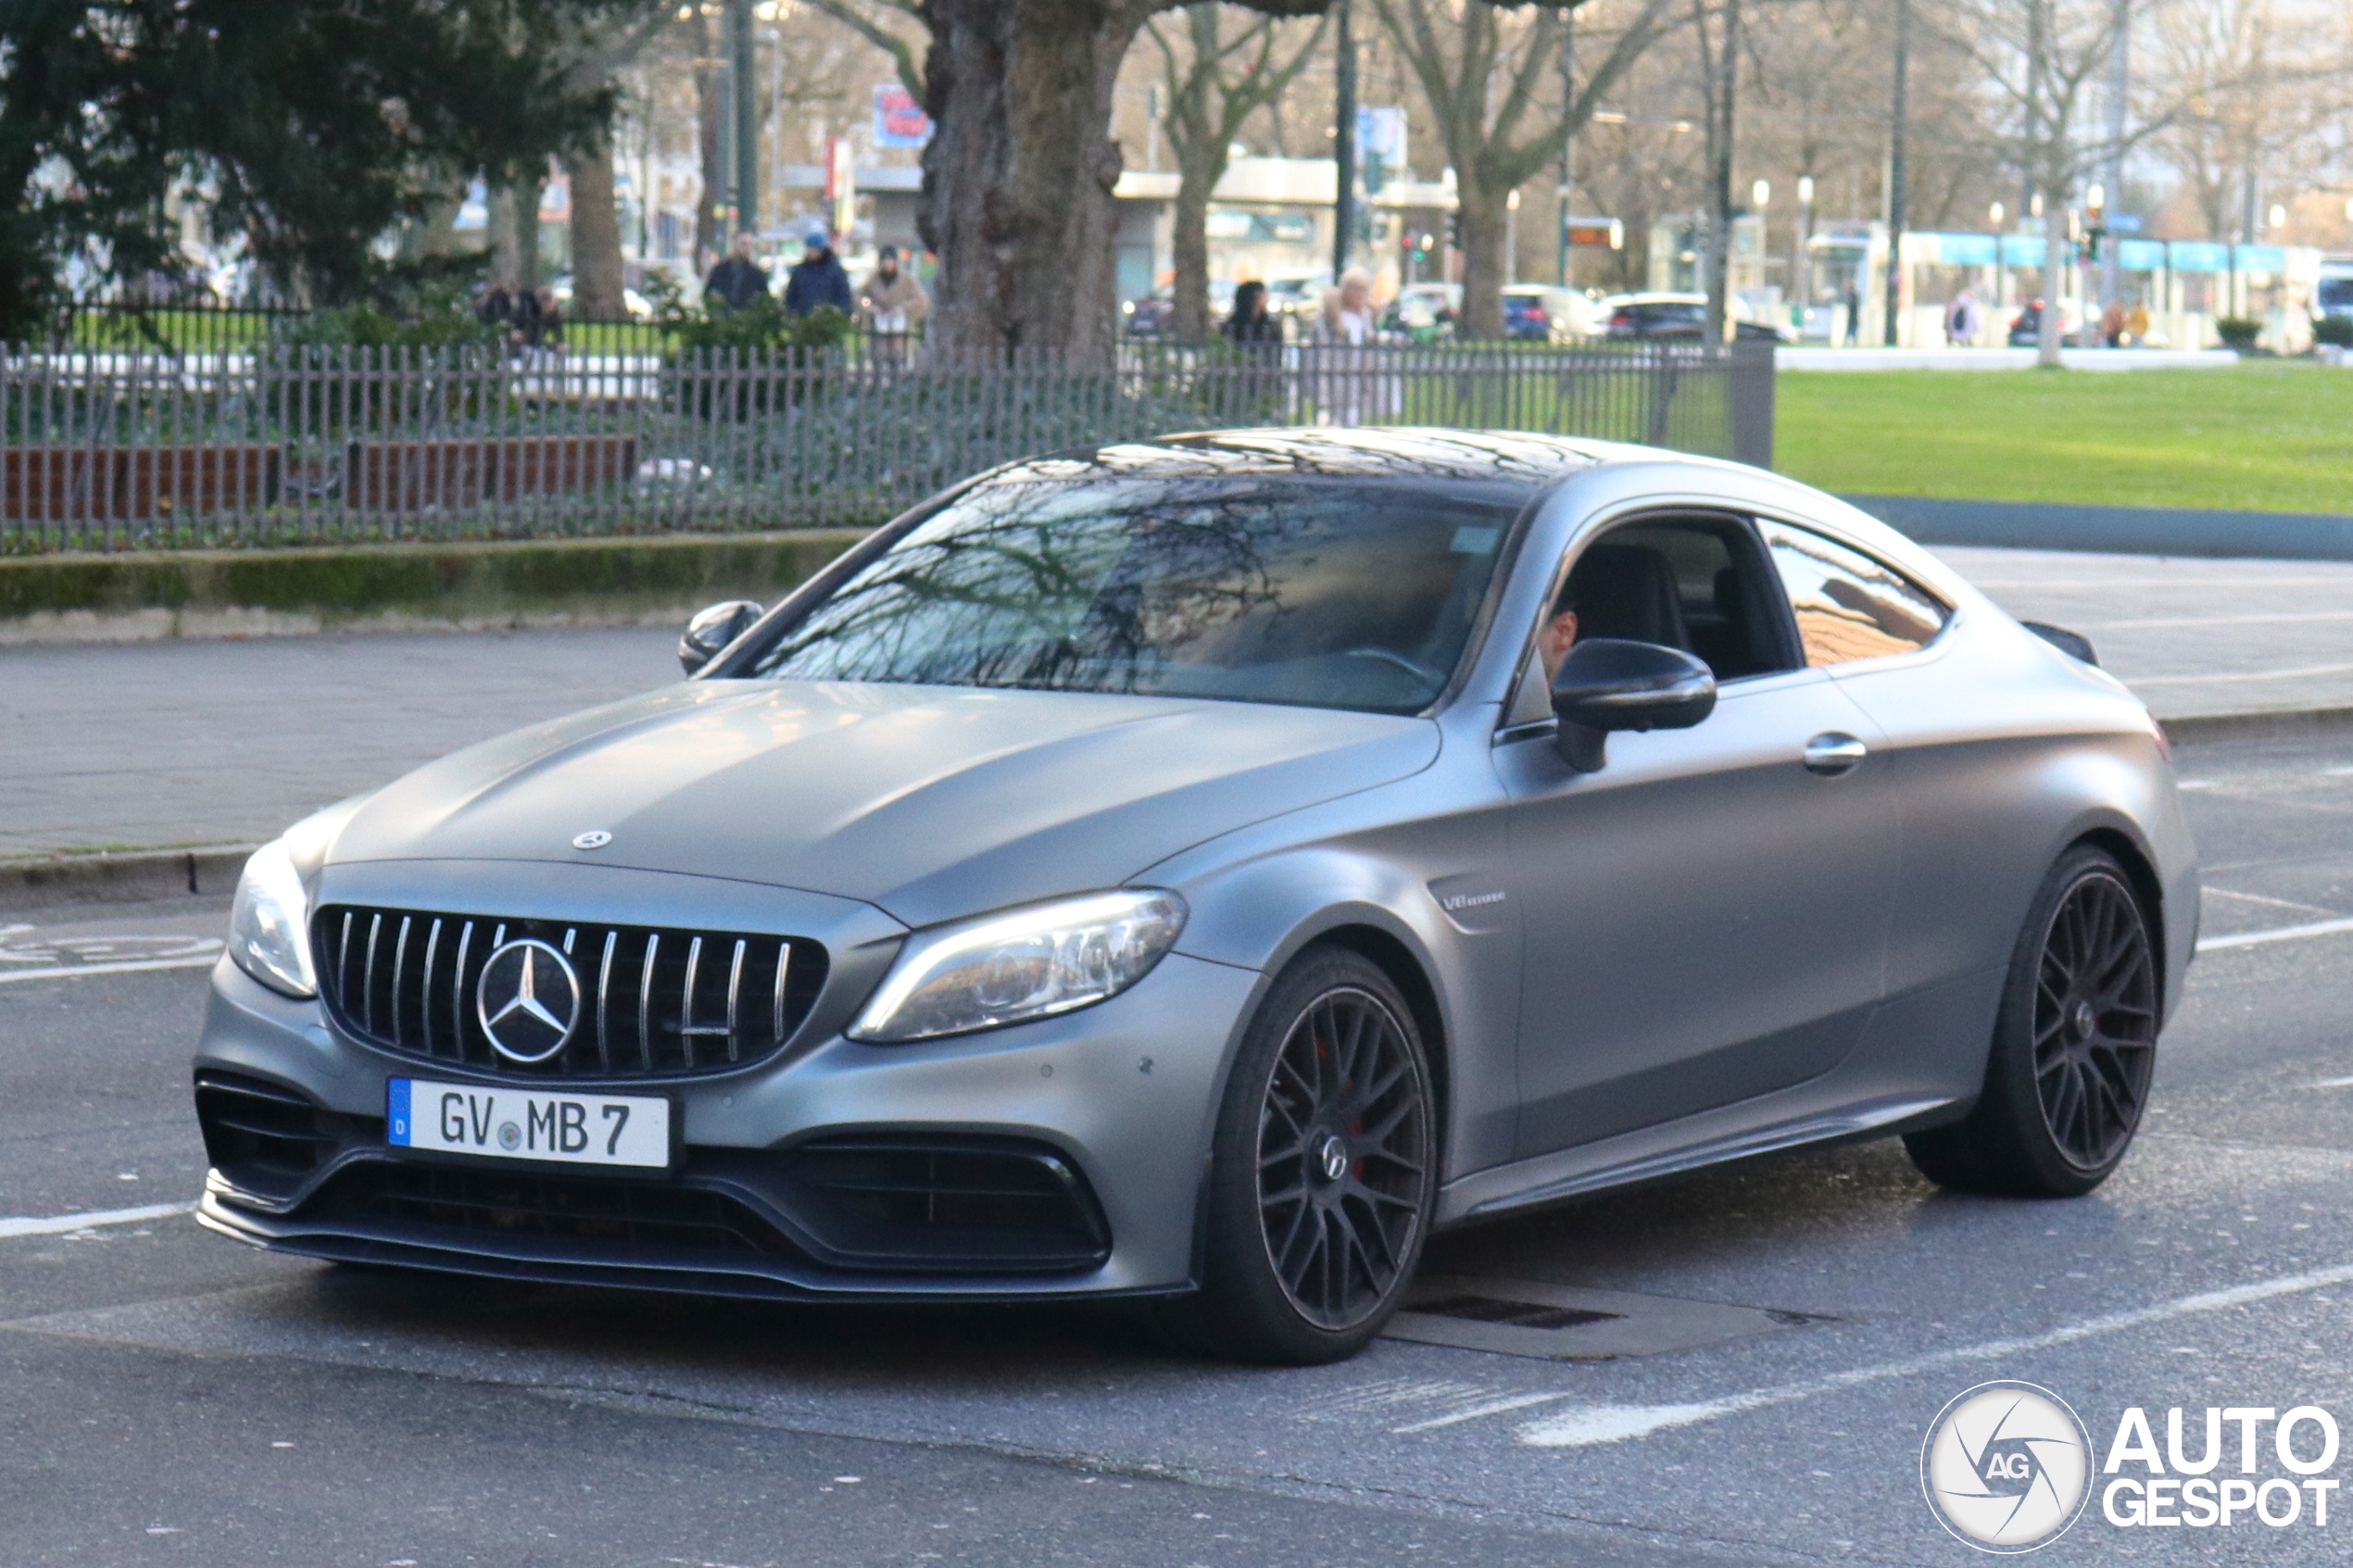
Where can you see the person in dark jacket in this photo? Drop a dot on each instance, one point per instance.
(737, 280)
(1250, 322)
(817, 278)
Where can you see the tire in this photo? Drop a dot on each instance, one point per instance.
(1322, 1173)
(2074, 1046)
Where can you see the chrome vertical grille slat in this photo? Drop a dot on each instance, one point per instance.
(425, 1003)
(399, 963)
(646, 1001)
(679, 1030)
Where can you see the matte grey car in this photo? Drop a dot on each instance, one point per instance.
(1196, 870)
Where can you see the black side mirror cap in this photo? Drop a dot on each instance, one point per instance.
(1608, 683)
(714, 628)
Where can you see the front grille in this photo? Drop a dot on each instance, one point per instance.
(653, 1002)
(628, 1216)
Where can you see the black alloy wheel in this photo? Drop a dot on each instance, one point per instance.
(2074, 1045)
(1323, 1174)
(1343, 1158)
(2095, 1020)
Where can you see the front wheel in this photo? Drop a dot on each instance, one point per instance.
(2074, 1046)
(1322, 1172)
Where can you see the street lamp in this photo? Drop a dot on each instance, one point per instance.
(2096, 197)
(1805, 269)
(1993, 216)
(1761, 194)
(2279, 216)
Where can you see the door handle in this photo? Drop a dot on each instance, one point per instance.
(1834, 752)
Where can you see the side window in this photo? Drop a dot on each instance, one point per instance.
(1695, 583)
(1848, 606)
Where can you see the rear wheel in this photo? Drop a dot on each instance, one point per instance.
(2074, 1046)
(1322, 1173)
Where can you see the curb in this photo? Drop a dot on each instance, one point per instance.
(2125, 530)
(136, 596)
(2281, 723)
(133, 876)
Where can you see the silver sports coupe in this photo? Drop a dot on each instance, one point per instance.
(1197, 871)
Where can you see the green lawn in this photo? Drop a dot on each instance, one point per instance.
(2261, 437)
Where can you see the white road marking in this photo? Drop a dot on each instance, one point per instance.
(1480, 1412)
(1611, 1423)
(2275, 903)
(2335, 1084)
(2173, 621)
(63, 1225)
(69, 970)
(2241, 676)
(2282, 934)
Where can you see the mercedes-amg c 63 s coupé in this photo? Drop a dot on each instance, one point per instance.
(1199, 869)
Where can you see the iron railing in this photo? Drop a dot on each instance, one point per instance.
(110, 450)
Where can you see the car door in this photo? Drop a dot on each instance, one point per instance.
(1705, 914)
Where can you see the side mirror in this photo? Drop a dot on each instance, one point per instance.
(713, 629)
(1608, 683)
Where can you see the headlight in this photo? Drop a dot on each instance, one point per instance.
(1028, 963)
(269, 926)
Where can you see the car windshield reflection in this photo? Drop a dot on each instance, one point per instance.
(1319, 592)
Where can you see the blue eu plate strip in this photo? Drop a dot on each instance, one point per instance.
(396, 1111)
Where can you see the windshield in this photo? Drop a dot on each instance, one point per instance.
(1326, 593)
(2337, 293)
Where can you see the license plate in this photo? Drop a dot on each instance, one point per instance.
(629, 1130)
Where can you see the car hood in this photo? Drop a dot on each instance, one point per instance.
(930, 802)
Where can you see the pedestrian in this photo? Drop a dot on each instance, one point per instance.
(817, 278)
(1961, 320)
(2112, 324)
(2136, 325)
(497, 312)
(1352, 391)
(737, 280)
(1249, 323)
(893, 307)
(1852, 304)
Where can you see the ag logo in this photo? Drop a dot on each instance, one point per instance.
(528, 1000)
(2007, 1467)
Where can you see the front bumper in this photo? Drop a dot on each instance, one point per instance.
(1055, 1158)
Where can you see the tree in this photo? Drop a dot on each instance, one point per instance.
(1719, 67)
(1206, 108)
(1483, 81)
(598, 54)
(309, 126)
(860, 17)
(1018, 175)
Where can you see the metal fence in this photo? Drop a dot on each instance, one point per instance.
(115, 449)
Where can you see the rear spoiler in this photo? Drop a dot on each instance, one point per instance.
(2075, 645)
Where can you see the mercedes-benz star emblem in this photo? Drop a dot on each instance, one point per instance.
(528, 1000)
(595, 838)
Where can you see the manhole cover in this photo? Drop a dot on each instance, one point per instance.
(1568, 1323)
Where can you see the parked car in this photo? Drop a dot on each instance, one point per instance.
(636, 305)
(1296, 300)
(1546, 315)
(1669, 316)
(2026, 327)
(1200, 869)
(1150, 318)
(1423, 312)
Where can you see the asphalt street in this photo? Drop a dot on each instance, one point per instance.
(157, 744)
(169, 1398)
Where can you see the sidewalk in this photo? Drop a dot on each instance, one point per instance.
(189, 743)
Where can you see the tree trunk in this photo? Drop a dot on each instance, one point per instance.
(1190, 244)
(1486, 222)
(1018, 174)
(711, 96)
(507, 260)
(2047, 342)
(596, 236)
